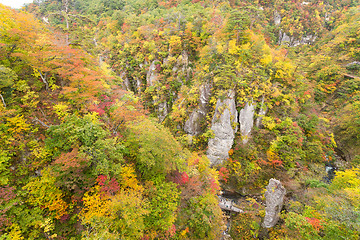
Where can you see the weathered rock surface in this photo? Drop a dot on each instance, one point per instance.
(274, 195)
(262, 112)
(224, 126)
(284, 39)
(126, 82)
(353, 64)
(246, 120)
(162, 111)
(151, 74)
(151, 77)
(277, 18)
(193, 124)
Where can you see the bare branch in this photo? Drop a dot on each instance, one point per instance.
(41, 122)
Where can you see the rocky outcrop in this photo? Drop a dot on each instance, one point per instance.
(246, 120)
(284, 39)
(180, 71)
(182, 65)
(224, 127)
(277, 18)
(193, 124)
(151, 75)
(274, 196)
(126, 82)
(149, 72)
(162, 111)
(262, 112)
(353, 65)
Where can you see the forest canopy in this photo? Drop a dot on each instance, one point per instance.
(130, 119)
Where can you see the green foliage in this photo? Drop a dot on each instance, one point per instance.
(120, 215)
(315, 183)
(163, 202)
(298, 224)
(4, 168)
(155, 150)
(87, 134)
(7, 77)
(200, 216)
(43, 193)
(242, 166)
(121, 174)
(244, 226)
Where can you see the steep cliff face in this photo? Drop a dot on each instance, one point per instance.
(246, 120)
(151, 75)
(168, 67)
(126, 83)
(160, 103)
(224, 126)
(262, 111)
(193, 124)
(182, 68)
(284, 39)
(291, 41)
(148, 80)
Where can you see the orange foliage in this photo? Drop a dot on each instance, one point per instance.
(273, 159)
(316, 223)
(70, 160)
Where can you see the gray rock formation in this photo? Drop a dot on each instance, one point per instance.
(274, 195)
(284, 39)
(163, 111)
(262, 112)
(277, 18)
(354, 64)
(186, 69)
(246, 120)
(138, 84)
(308, 39)
(327, 17)
(182, 68)
(193, 124)
(126, 82)
(151, 74)
(151, 77)
(224, 126)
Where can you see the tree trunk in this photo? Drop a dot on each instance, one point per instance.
(3, 100)
(43, 78)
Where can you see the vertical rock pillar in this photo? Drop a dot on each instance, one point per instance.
(274, 195)
(224, 126)
(193, 124)
(246, 120)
